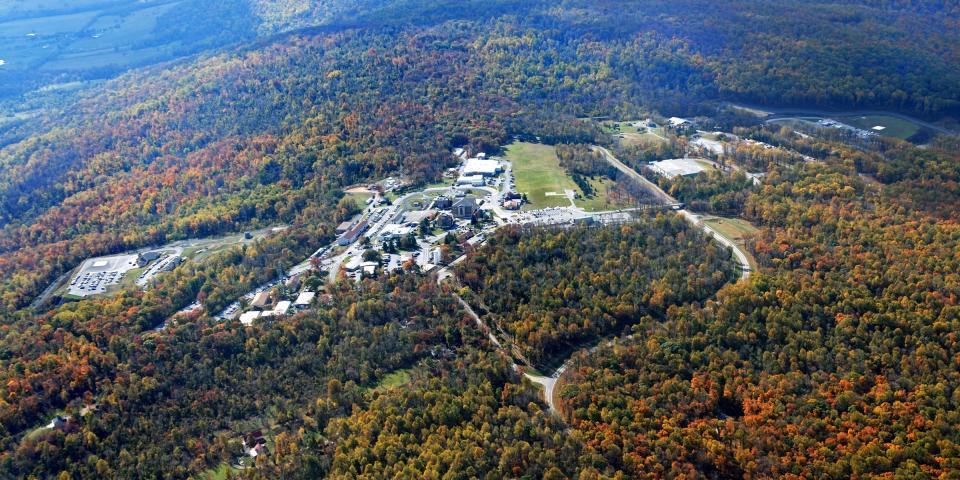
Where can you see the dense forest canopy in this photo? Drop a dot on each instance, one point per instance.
(551, 291)
(837, 357)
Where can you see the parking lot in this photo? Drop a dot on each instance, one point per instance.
(96, 274)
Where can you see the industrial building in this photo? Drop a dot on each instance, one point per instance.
(485, 168)
(472, 180)
(353, 234)
(304, 299)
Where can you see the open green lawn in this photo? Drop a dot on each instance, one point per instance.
(620, 127)
(220, 473)
(537, 171)
(442, 184)
(360, 198)
(394, 379)
(648, 137)
(895, 127)
(603, 199)
(735, 230)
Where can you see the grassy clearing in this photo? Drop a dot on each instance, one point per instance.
(620, 127)
(395, 379)
(360, 198)
(649, 137)
(630, 135)
(895, 127)
(603, 199)
(735, 230)
(442, 184)
(129, 280)
(537, 171)
(423, 199)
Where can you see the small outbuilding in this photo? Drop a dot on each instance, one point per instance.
(304, 299)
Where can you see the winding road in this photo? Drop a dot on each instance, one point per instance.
(549, 383)
(788, 113)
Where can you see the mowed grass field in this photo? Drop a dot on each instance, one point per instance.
(735, 230)
(630, 135)
(895, 127)
(537, 171)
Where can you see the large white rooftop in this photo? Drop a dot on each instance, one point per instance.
(478, 166)
(304, 299)
(678, 166)
(282, 307)
(249, 317)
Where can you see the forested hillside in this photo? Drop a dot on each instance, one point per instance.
(838, 362)
(837, 358)
(553, 291)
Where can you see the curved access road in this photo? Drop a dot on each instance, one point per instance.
(691, 217)
(662, 196)
(549, 383)
(785, 113)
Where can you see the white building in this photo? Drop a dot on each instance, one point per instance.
(369, 268)
(677, 167)
(472, 180)
(479, 166)
(304, 299)
(394, 231)
(282, 308)
(249, 317)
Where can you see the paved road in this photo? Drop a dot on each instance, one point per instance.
(652, 187)
(691, 217)
(784, 113)
(740, 255)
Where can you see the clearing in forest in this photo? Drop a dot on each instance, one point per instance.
(884, 125)
(537, 171)
(737, 231)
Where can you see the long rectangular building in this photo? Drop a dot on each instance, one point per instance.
(353, 234)
(486, 168)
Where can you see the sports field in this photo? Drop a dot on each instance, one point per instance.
(537, 172)
(889, 126)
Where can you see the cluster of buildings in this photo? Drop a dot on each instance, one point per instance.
(828, 123)
(350, 232)
(266, 304)
(476, 171)
(678, 123)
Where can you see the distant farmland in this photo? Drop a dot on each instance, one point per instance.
(43, 40)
